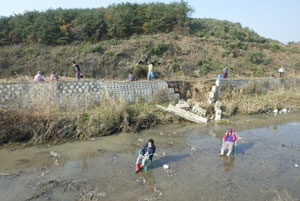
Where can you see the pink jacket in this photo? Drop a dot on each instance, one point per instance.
(38, 78)
(233, 137)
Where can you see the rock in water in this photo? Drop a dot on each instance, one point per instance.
(284, 110)
(165, 166)
(54, 154)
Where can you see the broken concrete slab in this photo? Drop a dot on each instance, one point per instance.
(184, 114)
(183, 104)
(199, 110)
(218, 114)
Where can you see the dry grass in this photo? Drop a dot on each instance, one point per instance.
(118, 57)
(258, 102)
(26, 78)
(43, 119)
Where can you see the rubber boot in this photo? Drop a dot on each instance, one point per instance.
(137, 168)
(229, 152)
(221, 153)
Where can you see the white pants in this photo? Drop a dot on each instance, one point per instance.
(141, 160)
(227, 145)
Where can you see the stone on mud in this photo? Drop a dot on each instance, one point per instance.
(165, 166)
(54, 154)
(284, 110)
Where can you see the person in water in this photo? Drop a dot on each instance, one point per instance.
(148, 149)
(229, 141)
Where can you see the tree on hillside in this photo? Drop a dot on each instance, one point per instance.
(118, 21)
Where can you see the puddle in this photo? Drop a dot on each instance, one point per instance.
(102, 169)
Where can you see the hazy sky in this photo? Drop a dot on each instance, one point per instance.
(276, 19)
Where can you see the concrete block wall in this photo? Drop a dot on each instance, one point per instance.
(263, 84)
(79, 93)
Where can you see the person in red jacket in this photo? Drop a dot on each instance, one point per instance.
(229, 141)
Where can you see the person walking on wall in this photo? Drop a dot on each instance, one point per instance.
(281, 71)
(38, 77)
(225, 72)
(77, 70)
(150, 72)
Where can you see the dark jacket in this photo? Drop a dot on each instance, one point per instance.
(150, 151)
(77, 68)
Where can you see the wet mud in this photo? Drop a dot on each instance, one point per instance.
(264, 168)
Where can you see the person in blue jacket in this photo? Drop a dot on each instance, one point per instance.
(148, 149)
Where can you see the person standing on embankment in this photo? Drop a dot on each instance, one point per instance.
(281, 72)
(225, 72)
(77, 70)
(150, 72)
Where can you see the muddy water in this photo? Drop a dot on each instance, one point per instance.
(102, 169)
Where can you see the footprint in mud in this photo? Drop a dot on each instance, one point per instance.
(22, 162)
(114, 160)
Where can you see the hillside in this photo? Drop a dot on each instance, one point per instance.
(177, 45)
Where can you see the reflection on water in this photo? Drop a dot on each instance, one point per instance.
(227, 162)
(171, 159)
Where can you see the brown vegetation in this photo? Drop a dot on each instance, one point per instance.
(46, 121)
(253, 100)
(182, 57)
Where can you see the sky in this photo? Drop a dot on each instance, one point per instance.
(275, 19)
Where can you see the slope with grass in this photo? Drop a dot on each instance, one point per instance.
(108, 43)
(174, 56)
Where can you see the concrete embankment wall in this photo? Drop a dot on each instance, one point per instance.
(261, 84)
(79, 93)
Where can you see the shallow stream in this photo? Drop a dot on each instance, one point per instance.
(265, 167)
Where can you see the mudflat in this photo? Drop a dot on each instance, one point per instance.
(265, 167)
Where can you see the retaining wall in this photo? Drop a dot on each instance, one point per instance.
(262, 84)
(79, 93)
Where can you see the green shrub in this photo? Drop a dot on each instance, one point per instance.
(93, 48)
(255, 57)
(140, 71)
(175, 67)
(258, 70)
(268, 61)
(29, 50)
(205, 66)
(148, 46)
(160, 49)
(174, 36)
(297, 66)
